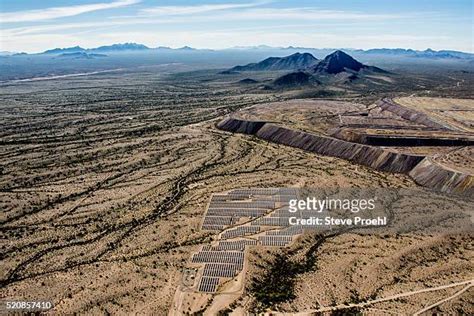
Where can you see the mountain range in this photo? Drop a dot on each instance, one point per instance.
(428, 53)
(109, 48)
(336, 68)
(394, 52)
(401, 52)
(125, 47)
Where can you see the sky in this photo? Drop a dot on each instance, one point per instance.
(34, 25)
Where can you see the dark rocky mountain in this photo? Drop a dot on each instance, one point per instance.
(338, 62)
(291, 62)
(293, 79)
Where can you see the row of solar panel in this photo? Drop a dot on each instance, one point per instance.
(240, 231)
(208, 284)
(219, 220)
(265, 191)
(275, 240)
(213, 227)
(233, 204)
(285, 213)
(246, 197)
(222, 270)
(290, 231)
(236, 212)
(272, 221)
(229, 197)
(235, 257)
(230, 245)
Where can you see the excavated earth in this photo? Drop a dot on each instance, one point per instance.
(386, 136)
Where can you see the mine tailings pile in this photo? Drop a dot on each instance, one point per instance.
(433, 175)
(408, 114)
(424, 171)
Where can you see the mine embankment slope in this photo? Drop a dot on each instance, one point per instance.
(403, 138)
(451, 172)
(374, 157)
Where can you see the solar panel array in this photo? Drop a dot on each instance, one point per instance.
(266, 223)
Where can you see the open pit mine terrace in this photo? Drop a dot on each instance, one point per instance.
(430, 139)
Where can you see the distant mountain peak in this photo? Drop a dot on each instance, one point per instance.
(121, 47)
(338, 62)
(73, 49)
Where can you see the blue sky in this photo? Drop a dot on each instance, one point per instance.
(33, 25)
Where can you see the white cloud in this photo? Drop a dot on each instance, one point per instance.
(249, 12)
(60, 12)
(312, 14)
(196, 9)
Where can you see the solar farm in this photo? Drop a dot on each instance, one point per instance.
(242, 218)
